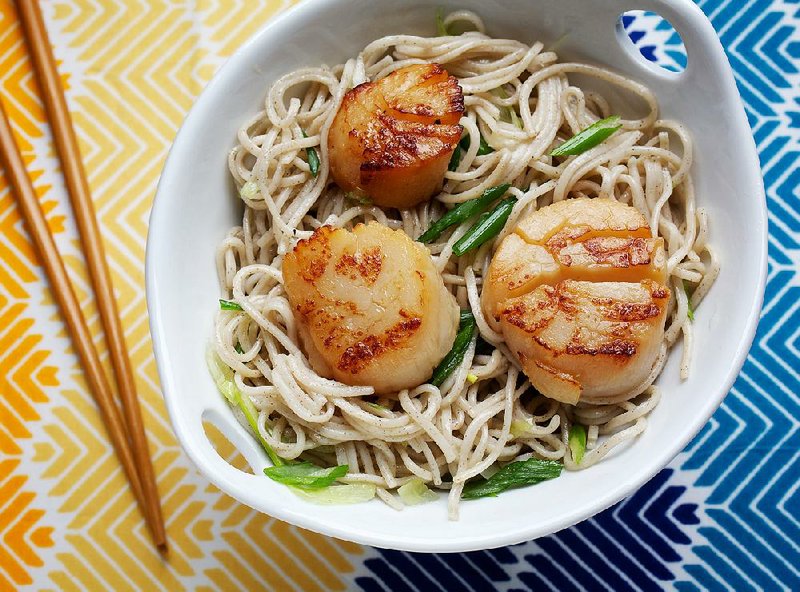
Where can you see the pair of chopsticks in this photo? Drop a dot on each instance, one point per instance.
(128, 436)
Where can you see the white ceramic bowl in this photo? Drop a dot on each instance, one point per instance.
(195, 206)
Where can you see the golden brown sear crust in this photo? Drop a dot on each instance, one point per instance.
(318, 252)
(363, 352)
(391, 143)
(425, 93)
(392, 139)
(619, 252)
(374, 311)
(577, 292)
(615, 347)
(602, 334)
(367, 265)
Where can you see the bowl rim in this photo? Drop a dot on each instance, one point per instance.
(302, 12)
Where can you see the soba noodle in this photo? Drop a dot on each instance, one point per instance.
(521, 100)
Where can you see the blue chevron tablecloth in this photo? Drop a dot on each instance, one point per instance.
(725, 514)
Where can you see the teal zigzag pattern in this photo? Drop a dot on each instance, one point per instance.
(726, 513)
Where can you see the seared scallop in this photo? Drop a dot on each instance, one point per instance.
(585, 340)
(371, 308)
(391, 140)
(581, 219)
(578, 292)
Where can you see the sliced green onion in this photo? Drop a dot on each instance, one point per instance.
(465, 317)
(483, 146)
(249, 190)
(359, 196)
(305, 475)
(510, 113)
(577, 442)
(313, 159)
(520, 427)
(593, 135)
(415, 492)
(472, 378)
(377, 406)
(456, 354)
(516, 474)
(441, 29)
(463, 211)
(455, 159)
(690, 311)
(229, 305)
(352, 493)
(486, 228)
(238, 348)
(223, 378)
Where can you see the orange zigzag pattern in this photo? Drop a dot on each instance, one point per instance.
(24, 375)
(134, 74)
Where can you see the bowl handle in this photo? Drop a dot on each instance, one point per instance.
(217, 470)
(699, 37)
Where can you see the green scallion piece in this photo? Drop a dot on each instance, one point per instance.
(305, 475)
(486, 228)
(337, 495)
(515, 474)
(520, 427)
(455, 159)
(416, 492)
(463, 146)
(508, 114)
(463, 211)
(441, 29)
(577, 442)
(593, 135)
(483, 146)
(456, 354)
(229, 305)
(249, 190)
(313, 159)
(465, 317)
(359, 196)
(222, 375)
(690, 312)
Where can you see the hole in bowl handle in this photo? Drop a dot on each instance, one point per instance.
(225, 421)
(698, 35)
(204, 455)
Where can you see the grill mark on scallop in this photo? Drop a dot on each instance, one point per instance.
(573, 288)
(615, 347)
(392, 139)
(366, 264)
(627, 252)
(318, 247)
(379, 314)
(361, 353)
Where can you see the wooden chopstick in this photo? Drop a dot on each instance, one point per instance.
(65, 296)
(83, 207)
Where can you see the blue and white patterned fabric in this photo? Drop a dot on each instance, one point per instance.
(725, 514)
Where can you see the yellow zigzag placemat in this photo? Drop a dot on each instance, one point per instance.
(67, 519)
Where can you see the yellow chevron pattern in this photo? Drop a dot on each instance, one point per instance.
(67, 518)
